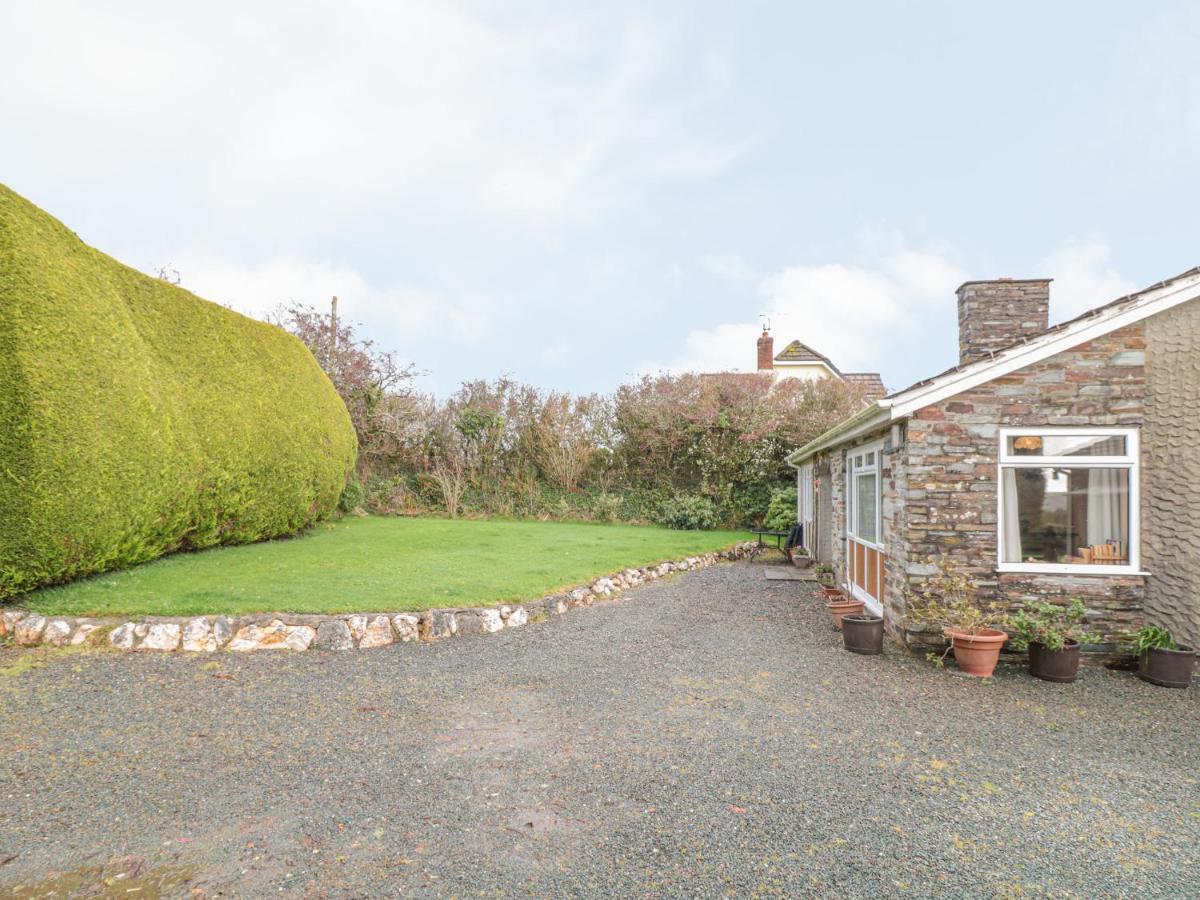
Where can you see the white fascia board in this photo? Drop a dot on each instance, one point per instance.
(872, 417)
(1155, 301)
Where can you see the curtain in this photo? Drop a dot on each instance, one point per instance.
(1105, 506)
(1012, 518)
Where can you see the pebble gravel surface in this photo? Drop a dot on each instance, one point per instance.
(700, 736)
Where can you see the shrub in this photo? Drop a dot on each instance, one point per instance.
(137, 418)
(352, 495)
(1048, 624)
(781, 511)
(606, 507)
(688, 512)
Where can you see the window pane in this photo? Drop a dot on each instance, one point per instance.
(865, 507)
(1066, 515)
(1067, 445)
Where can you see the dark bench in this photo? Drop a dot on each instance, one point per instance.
(784, 540)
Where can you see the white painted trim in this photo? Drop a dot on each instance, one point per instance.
(1151, 302)
(869, 602)
(1063, 569)
(1131, 461)
(874, 416)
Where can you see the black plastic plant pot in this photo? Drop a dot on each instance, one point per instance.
(1061, 666)
(863, 633)
(1168, 668)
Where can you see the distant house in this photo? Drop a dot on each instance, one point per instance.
(798, 360)
(1050, 463)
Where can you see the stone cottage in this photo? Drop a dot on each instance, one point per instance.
(1051, 462)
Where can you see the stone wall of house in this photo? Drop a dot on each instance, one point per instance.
(952, 450)
(894, 476)
(1171, 471)
(893, 480)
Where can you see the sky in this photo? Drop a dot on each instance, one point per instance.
(576, 194)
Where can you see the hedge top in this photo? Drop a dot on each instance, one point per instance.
(137, 418)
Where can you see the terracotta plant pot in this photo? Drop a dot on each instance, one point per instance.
(843, 607)
(977, 654)
(862, 633)
(801, 562)
(1061, 666)
(1167, 668)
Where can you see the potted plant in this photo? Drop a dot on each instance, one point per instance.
(862, 633)
(800, 557)
(949, 600)
(842, 605)
(1052, 634)
(1161, 660)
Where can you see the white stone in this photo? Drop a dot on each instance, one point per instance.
(376, 633)
(517, 618)
(29, 630)
(161, 636)
(83, 632)
(275, 635)
(57, 633)
(122, 636)
(198, 636)
(408, 626)
(222, 631)
(9, 620)
(491, 620)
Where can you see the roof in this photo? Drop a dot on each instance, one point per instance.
(796, 352)
(1092, 324)
(870, 382)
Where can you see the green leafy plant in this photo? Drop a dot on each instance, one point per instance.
(1049, 624)
(949, 600)
(352, 495)
(781, 510)
(689, 512)
(1152, 637)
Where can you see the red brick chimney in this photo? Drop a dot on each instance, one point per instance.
(766, 351)
(994, 314)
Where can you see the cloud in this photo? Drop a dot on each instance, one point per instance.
(298, 122)
(728, 265)
(850, 313)
(1083, 278)
(397, 314)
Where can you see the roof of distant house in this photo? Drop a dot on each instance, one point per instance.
(798, 352)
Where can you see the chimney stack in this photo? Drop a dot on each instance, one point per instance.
(766, 351)
(994, 314)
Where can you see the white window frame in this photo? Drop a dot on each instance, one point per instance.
(1131, 461)
(852, 473)
(805, 506)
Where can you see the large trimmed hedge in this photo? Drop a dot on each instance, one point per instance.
(137, 418)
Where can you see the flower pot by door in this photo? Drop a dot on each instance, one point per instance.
(844, 607)
(1061, 666)
(862, 633)
(977, 654)
(1167, 668)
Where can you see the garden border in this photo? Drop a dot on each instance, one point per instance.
(347, 631)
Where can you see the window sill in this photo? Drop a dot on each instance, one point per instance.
(1063, 569)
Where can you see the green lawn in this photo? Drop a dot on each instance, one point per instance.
(378, 564)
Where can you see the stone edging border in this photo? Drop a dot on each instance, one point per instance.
(357, 631)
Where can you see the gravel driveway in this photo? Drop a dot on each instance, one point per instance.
(702, 735)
